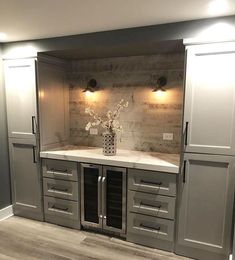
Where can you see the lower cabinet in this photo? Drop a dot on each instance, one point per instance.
(103, 198)
(151, 208)
(61, 186)
(26, 179)
(205, 214)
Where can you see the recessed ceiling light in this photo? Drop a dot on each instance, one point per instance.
(218, 7)
(3, 36)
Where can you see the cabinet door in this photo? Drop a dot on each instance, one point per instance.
(206, 206)
(114, 199)
(91, 176)
(20, 84)
(209, 122)
(26, 179)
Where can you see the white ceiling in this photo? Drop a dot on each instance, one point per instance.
(32, 19)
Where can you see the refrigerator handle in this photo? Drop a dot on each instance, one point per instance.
(184, 171)
(99, 197)
(33, 125)
(186, 134)
(104, 187)
(34, 154)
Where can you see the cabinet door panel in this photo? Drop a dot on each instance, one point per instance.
(91, 195)
(114, 199)
(206, 199)
(210, 99)
(20, 84)
(26, 179)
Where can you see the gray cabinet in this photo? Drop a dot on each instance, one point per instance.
(25, 179)
(53, 102)
(20, 84)
(151, 208)
(209, 122)
(21, 100)
(61, 187)
(206, 206)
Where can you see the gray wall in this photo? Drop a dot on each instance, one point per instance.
(5, 198)
(148, 115)
(118, 41)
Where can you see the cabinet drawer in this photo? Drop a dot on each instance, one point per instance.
(60, 189)
(62, 212)
(151, 227)
(151, 204)
(60, 169)
(152, 182)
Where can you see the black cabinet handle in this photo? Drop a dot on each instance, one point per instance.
(33, 125)
(150, 182)
(60, 208)
(151, 228)
(184, 171)
(186, 134)
(34, 154)
(59, 189)
(149, 205)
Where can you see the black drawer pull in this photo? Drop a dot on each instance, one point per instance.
(59, 171)
(34, 154)
(150, 182)
(33, 125)
(184, 171)
(149, 205)
(150, 228)
(59, 189)
(60, 208)
(186, 134)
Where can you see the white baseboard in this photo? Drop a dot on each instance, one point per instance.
(6, 212)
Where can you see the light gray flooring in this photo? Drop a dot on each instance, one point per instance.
(24, 239)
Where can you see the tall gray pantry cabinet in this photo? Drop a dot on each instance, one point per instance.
(206, 189)
(21, 98)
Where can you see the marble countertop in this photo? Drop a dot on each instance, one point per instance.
(124, 158)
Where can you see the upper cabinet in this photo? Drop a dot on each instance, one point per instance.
(209, 121)
(53, 102)
(20, 84)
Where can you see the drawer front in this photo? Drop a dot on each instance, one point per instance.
(65, 209)
(151, 227)
(60, 189)
(152, 182)
(151, 204)
(60, 169)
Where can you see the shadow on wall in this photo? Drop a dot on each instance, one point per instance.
(5, 194)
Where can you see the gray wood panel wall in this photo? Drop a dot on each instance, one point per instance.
(5, 197)
(130, 78)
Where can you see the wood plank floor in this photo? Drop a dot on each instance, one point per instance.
(23, 239)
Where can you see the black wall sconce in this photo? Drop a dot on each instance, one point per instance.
(91, 86)
(161, 82)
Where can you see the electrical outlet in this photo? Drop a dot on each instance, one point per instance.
(168, 136)
(93, 131)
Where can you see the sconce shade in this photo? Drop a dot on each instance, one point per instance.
(91, 86)
(161, 82)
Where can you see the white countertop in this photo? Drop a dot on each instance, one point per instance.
(124, 158)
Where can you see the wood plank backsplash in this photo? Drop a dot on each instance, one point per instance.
(148, 115)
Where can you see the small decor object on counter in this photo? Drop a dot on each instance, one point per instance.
(111, 125)
(109, 143)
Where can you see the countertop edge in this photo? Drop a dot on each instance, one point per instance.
(134, 165)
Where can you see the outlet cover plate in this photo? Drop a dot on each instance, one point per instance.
(93, 131)
(168, 136)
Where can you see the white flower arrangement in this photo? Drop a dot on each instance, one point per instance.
(112, 124)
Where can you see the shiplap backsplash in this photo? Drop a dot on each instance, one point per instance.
(147, 117)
